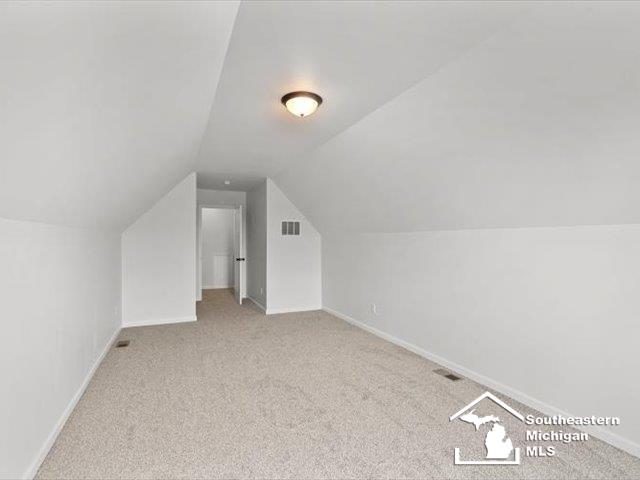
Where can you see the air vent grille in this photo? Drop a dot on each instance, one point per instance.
(447, 374)
(290, 228)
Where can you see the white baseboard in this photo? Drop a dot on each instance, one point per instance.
(599, 432)
(272, 311)
(44, 450)
(258, 304)
(216, 287)
(158, 321)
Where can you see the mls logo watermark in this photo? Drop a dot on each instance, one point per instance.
(500, 449)
(541, 435)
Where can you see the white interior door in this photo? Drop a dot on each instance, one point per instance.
(238, 280)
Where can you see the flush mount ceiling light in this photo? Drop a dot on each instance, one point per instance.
(302, 104)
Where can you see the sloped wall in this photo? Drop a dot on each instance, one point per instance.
(159, 260)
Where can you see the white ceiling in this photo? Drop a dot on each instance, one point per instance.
(103, 105)
(357, 55)
(537, 126)
(437, 115)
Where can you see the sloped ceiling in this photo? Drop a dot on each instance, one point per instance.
(357, 55)
(103, 104)
(437, 115)
(536, 126)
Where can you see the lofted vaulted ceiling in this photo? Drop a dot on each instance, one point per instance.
(357, 55)
(536, 126)
(437, 115)
(103, 104)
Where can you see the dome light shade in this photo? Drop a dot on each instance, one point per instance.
(301, 104)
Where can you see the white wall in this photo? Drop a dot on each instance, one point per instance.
(217, 259)
(548, 315)
(159, 260)
(59, 305)
(257, 244)
(221, 198)
(293, 262)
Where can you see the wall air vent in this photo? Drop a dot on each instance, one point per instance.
(290, 228)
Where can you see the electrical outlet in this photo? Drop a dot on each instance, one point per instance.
(374, 309)
(261, 291)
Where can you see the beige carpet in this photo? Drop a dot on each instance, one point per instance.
(306, 395)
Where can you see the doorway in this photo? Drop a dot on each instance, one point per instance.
(220, 249)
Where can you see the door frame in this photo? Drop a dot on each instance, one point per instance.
(201, 207)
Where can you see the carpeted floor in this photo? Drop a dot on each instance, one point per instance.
(300, 395)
